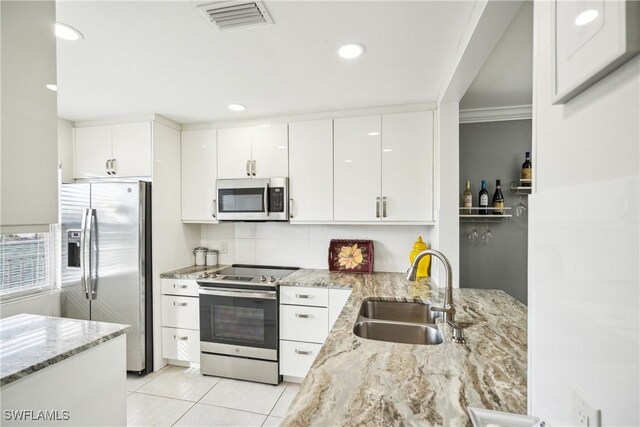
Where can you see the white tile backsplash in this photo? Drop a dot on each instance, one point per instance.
(307, 245)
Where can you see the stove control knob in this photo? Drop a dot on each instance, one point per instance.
(213, 275)
(272, 279)
(263, 279)
(205, 276)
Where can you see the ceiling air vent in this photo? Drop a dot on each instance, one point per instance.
(234, 15)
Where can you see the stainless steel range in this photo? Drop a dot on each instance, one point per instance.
(239, 322)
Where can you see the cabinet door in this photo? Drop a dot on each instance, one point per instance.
(269, 151)
(407, 166)
(199, 173)
(92, 150)
(132, 149)
(356, 178)
(234, 151)
(311, 170)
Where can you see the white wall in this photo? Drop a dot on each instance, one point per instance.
(307, 245)
(584, 244)
(65, 149)
(45, 304)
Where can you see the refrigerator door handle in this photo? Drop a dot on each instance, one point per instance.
(83, 252)
(93, 266)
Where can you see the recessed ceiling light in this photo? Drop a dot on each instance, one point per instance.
(65, 32)
(351, 50)
(373, 133)
(52, 87)
(236, 107)
(348, 161)
(387, 150)
(265, 126)
(282, 147)
(586, 17)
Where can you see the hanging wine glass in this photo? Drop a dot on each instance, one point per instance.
(520, 209)
(487, 236)
(473, 234)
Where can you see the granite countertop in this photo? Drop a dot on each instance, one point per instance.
(194, 272)
(29, 343)
(355, 381)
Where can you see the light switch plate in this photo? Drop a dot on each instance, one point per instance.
(584, 413)
(220, 246)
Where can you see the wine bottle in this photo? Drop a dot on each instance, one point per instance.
(498, 200)
(484, 199)
(526, 170)
(467, 199)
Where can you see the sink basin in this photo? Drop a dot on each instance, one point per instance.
(405, 333)
(398, 311)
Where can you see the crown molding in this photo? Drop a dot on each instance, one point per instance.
(497, 114)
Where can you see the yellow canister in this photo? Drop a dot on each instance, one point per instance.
(423, 267)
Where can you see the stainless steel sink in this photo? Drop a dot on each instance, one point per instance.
(398, 311)
(405, 333)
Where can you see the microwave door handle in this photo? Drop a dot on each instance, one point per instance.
(266, 200)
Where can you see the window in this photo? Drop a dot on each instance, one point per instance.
(26, 263)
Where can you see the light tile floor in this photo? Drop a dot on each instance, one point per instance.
(183, 397)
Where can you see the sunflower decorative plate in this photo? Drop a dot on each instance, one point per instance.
(353, 256)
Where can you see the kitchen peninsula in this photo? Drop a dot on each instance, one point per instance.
(56, 371)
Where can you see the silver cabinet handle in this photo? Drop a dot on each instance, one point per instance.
(213, 207)
(377, 207)
(177, 338)
(114, 167)
(248, 167)
(303, 316)
(384, 207)
(179, 304)
(304, 352)
(304, 296)
(290, 208)
(179, 286)
(253, 167)
(107, 166)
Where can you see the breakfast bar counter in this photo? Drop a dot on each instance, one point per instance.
(356, 381)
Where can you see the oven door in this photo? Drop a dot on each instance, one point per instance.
(239, 322)
(243, 199)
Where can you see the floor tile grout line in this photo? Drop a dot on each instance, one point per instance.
(165, 397)
(233, 409)
(278, 399)
(185, 413)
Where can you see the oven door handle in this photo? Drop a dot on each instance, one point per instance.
(239, 293)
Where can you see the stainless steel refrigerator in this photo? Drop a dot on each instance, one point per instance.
(106, 260)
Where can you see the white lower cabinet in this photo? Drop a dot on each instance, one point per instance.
(306, 317)
(296, 357)
(180, 320)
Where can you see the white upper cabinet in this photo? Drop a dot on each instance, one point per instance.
(269, 151)
(311, 171)
(92, 151)
(122, 151)
(234, 153)
(407, 167)
(253, 152)
(356, 178)
(131, 149)
(199, 160)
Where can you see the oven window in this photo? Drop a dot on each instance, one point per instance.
(250, 322)
(241, 200)
(238, 324)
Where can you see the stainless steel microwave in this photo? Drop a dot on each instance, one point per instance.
(253, 199)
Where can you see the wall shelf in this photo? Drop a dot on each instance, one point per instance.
(475, 215)
(520, 188)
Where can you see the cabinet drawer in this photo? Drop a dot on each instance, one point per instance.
(301, 323)
(180, 287)
(297, 357)
(181, 344)
(318, 297)
(180, 312)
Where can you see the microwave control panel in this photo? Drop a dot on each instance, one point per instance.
(276, 199)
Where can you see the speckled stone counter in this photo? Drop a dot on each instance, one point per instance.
(194, 272)
(29, 343)
(355, 381)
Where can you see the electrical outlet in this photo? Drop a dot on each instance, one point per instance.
(220, 246)
(584, 413)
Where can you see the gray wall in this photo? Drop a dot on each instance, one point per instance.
(493, 151)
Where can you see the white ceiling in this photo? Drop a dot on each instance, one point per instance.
(164, 57)
(506, 78)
